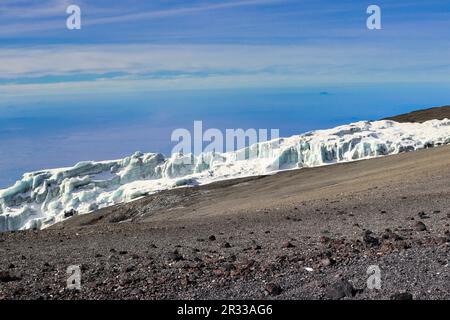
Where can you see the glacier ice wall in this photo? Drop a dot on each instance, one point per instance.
(45, 197)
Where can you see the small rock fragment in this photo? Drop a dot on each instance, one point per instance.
(226, 245)
(288, 244)
(6, 276)
(420, 226)
(402, 296)
(326, 262)
(175, 256)
(370, 240)
(422, 215)
(273, 289)
(340, 290)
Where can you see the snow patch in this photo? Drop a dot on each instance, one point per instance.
(45, 197)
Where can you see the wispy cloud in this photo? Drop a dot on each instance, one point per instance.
(146, 67)
(180, 11)
(32, 10)
(26, 16)
(144, 59)
(294, 42)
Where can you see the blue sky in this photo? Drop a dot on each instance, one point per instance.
(171, 44)
(138, 69)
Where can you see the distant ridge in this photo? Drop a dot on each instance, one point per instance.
(438, 113)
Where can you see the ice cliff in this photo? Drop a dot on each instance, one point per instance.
(45, 197)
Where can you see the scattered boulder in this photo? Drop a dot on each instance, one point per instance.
(447, 236)
(340, 289)
(7, 276)
(226, 245)
(420, 226)
(130, 268)
(402, 296)
(212, 238)
(273, 289)
(248, 263)
(326, 262)
(136, 292)
(389, 234)
(423, 215)
(70, 213)
(175, 256)
(229, 267)
(287, 244)
(112, 257)
(370, 240)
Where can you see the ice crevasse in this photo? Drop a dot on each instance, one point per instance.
(45, 197)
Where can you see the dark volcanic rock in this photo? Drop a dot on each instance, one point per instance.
(340, 290)
(389, 234)
(287, 244)
(447, 236)
(7, 276)
(70, 213)
(229, 267)
(324, 239)
(402, 296)
(327, 262)
(423, 115)
(370, 240)
(212, 238)
(175, 256)
(130, 268)
(226, 245)
(273, 289)
(423, 215)
(420, 226)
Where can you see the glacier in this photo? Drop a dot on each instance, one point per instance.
(45, 197)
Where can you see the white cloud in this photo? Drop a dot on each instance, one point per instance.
(19, 17)
(167, 67)
(32, 10)
(179, 11)
(142, 59)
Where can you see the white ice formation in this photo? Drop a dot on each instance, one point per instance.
(45, 197)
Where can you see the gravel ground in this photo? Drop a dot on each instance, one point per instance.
(303, 234)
